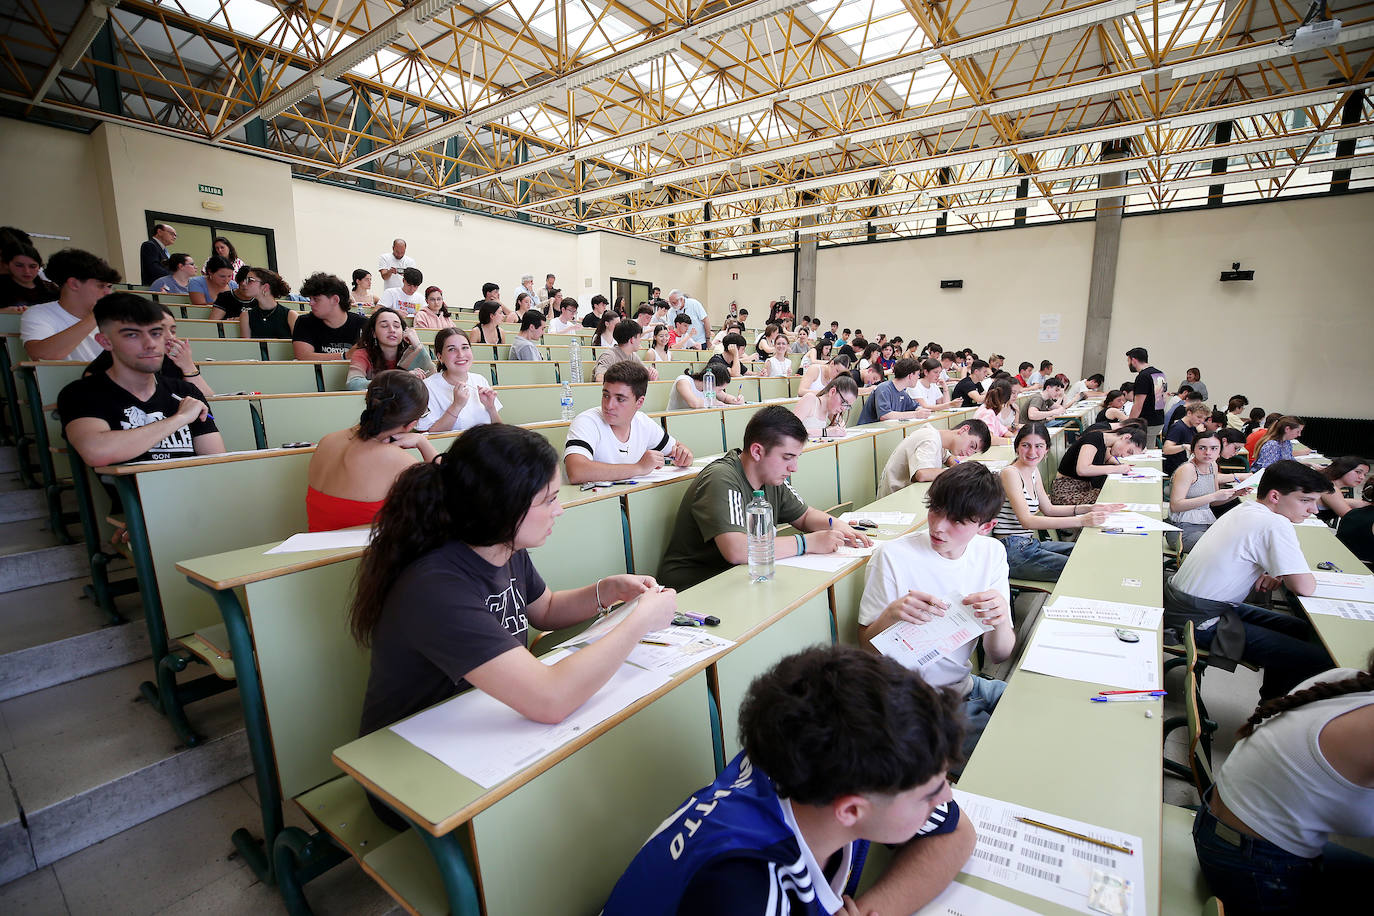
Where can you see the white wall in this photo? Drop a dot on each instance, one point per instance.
(51, 186)
(1296, 339)
(651, 265)
(752, 282)
(141, 171)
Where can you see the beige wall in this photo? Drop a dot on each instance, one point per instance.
(751, 282)
(661, 268)
(1296, 339)
(140, 171)
(51, 186)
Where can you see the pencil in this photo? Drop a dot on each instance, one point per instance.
(1077, 836)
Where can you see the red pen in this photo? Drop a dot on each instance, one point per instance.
(1112, 693)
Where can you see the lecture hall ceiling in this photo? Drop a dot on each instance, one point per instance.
(730, 127)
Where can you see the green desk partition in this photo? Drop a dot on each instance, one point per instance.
(699, 430)
(333, 375)
(279, 350)
(308, 418)
(555, 432)
(651, 513)
(770, 388)
(654, 759)
(815, 478)
(587, 543)
(516, 372)
(736, 419)
(884, 443)
(235, 421)
(530, 403)
(846, 593)
(226, 350)
(858, 480)
(260, 377)
(204, 327)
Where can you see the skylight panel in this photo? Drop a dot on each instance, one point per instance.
(246, 17)
(873, 29)
(932, 83)
(1204, 22)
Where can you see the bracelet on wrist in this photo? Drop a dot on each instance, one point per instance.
(195, 374)
(801, 545)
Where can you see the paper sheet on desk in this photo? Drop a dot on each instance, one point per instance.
(1351, 610)
(961, 900)
(1152, 454)
(917, 645)
(1345, 586)
(686, 645)
(1312, 522)
(881, 518)
(324, 540)
(1134, 521)
(488, 742)
(1116, 613)
(1143, 507)
(827, 562)
(1146, 473)
(663, 473)
(1083, 652)
(1045, 864)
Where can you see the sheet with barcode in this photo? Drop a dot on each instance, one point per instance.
(1044, 863)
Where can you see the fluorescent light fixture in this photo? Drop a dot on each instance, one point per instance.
(841, 178)
(1259, 53)
(700, 171)
(872, 73)
(906, 128)
(455, 126)
(1100, 193)
(787, 152)
(525, 169)
(1255, 109)
(498, 110)
(616, 144)
(1336, 165)
(742, 16)
(773, 216)
(1353, 132)
(975, 187)
(616, 190)
(950, 160)
(1293, 141)
(1105, 167)
(1050, 25)
(1101, 135)
(726, 113)
(619, 63)
(993, 206)
(291, 95)
(92, 19)
(1066, 94)
(1206, 181)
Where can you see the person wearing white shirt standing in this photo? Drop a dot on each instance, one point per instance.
(458, 399)
(1254, 548)
(682, 304)
(615, 440)
(391, 264)
(65, 328)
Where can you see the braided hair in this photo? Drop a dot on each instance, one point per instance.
(394, 398)
(1325, 690)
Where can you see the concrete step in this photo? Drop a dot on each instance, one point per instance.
(18, 504)
(181, 862)
(52, 634)
(42, 565)
(90, 758)
(9, 459)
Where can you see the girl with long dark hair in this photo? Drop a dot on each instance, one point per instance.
(386, 343)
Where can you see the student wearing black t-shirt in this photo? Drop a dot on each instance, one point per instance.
(179, 363)
(131, 412)
(1180, 436)
(446, 590)
(1086, 464)
(330, 330)
(1151, 388)
(231, 303)
(969, 391)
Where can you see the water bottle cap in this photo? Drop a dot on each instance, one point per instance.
(758, 492)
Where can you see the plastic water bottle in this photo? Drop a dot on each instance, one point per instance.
(565, 401)
(575, 359)
(758, 522)
(708, 388)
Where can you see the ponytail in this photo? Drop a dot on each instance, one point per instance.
(1324, 690)
(394, 398)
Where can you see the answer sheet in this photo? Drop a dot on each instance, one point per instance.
(325, 540)
(1044, 863)
(1096, 610)
(1351, 610)
(488, 742)
(1084, 652)
(962, 900)
(917, 645)
(1347, 586)
(881, 518)
(1134, 521)
(1143, 507)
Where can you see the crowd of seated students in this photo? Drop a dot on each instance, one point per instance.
(444, 532)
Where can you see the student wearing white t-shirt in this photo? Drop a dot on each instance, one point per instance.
(927, 391)
(407, 297)
(458, 399)
(951, 564)
(565, 321)
(924, 454)
(615, 440)
(1254, 548)
(65, 328)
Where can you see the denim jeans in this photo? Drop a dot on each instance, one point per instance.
(1253, 876)
(1277, 642)
(1031, 558)
(978, 706)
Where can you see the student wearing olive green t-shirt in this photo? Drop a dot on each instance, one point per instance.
(709, 534)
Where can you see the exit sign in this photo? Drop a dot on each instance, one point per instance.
(210, 189)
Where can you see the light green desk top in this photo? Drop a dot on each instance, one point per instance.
(1348, 641)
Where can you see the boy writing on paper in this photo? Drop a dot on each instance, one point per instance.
(839, 746)
(952, 567)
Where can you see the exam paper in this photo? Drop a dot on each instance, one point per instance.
(1344, 585)
(488, 742)
(663, 473)
(1351, 610)
(1149, 455)
(827, 562)
(961, 900)
(1084, 652)
(1134, 521)
(1116, 613)
(917, 645)
(686, 646)
(325, 540)
(1312, 522)
(1147, 473)
(881, 518)
(1043, 863)
(1143, 507)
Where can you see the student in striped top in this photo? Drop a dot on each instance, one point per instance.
(1028, 511)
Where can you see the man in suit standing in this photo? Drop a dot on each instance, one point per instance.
(153, 254)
